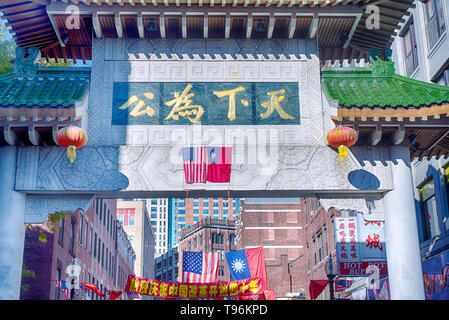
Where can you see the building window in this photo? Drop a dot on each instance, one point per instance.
(319, 239)
(443, 78)
(434, 21)
(124, 216)
(95, 246)
(217, 238)
(314, 252)
(86, 228)
(232, 240)
(72, 237)
(221, 271)
(91, 231)
(61, 232)
(410, 48)
(429, 215)
(80, 234)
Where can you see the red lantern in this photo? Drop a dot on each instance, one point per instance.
(72, 138)
(342, 138)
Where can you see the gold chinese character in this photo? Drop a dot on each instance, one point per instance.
(173, 290)
(138, 110)
(193, 290)
(212, 291)
(134, 285)
(276, 97)
(203, 292)
(143, 287)
(254, 286)
(163, 289)
(182, 106)
(223, 290)
(233, 288)
(154, 289)
(231, 93)
(183, 289)
(243, 287)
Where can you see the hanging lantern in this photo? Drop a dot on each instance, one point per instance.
(72, 138)
(342, 138)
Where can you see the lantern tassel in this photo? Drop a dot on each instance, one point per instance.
(71, 153)
(343, 152)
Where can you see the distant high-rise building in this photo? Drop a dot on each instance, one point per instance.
(188, 211)
(136, 222)
(159, 216)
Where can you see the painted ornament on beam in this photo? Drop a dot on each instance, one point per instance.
(342, 138)
(72, 138)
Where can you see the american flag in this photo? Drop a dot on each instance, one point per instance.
(65, 287)
(200, 267)
(342, 285)
(132, 295)
(195, 159)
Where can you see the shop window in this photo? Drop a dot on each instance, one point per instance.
(429, 215)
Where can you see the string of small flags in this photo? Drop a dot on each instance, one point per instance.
(66, 286)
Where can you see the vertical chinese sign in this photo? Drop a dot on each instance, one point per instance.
(360, 244)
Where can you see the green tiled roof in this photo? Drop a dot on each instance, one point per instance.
(379, 86)
(51, 87)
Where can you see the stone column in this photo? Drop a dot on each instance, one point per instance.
(401, 231)
(12, 227)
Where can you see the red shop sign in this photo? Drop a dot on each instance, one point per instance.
(357, 269)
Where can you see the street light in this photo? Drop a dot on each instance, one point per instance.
(331, 270)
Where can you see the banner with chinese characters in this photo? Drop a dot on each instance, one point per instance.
(359, 244)
(171, 289)
(207, 103)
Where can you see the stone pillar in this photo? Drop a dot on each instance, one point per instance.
(12, 227)
(401, 231)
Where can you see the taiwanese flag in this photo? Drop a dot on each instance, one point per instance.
(246, 264)
(219, 164)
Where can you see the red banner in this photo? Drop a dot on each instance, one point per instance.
(170, 289)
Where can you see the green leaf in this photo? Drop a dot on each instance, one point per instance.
(42, 237)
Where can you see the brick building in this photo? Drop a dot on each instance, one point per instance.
(209, 235)
(319, 241)
(91, 237)
(276, 225)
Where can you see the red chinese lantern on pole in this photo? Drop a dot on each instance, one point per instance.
(342, 138)
(72, 138)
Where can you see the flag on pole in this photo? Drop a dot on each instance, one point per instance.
(113, 294)
(200, 267)
(219, 161)
(246, 264)
(194, 164)
(93, 287)
(65, 287)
